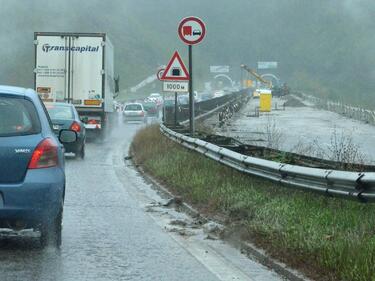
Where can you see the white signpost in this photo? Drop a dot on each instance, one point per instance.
(176, 86)
(175, 79)
(175, 70)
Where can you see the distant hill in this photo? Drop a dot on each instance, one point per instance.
(322, 47)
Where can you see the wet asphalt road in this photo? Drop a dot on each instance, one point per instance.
(108, 235)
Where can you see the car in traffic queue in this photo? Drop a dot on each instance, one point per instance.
(183, 99)
(170, 106)
(64, 116)
(32, 169)
(156, 97)
(170, 102)
(151, 108)
(134, 112)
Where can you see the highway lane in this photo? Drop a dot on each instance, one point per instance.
(114, 229)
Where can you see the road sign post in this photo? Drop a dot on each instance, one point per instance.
(163, 117)
(191, 93)
(175, 109)
(174, 77)
(191, 31)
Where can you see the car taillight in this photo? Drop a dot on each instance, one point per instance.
(45, 155)
(75, 127)
(142, 114)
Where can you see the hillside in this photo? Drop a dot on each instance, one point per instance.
(325, 48)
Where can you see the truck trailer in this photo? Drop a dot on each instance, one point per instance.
(76, 68)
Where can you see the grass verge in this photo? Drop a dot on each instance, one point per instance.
(329, 239)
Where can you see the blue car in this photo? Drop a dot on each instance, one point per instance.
(32, 176)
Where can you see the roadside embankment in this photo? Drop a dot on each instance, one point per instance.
(328, 239)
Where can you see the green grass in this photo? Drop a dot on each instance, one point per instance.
(334, 238)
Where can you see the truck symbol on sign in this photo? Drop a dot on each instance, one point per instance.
(176, 71)
(187, 30)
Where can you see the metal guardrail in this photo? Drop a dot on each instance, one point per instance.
(207, 107)
(207, 114)
(333, 183)
(357, 113)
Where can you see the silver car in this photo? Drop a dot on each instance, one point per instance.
(134, 112)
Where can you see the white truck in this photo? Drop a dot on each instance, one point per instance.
(76, 68)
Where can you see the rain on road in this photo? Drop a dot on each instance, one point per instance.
(109, 235)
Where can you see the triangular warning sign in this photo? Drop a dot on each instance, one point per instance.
(175, 70)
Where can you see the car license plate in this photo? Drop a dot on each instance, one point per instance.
(56, 127)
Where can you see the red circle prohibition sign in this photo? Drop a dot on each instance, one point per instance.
(185, 30)
(160, 74)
